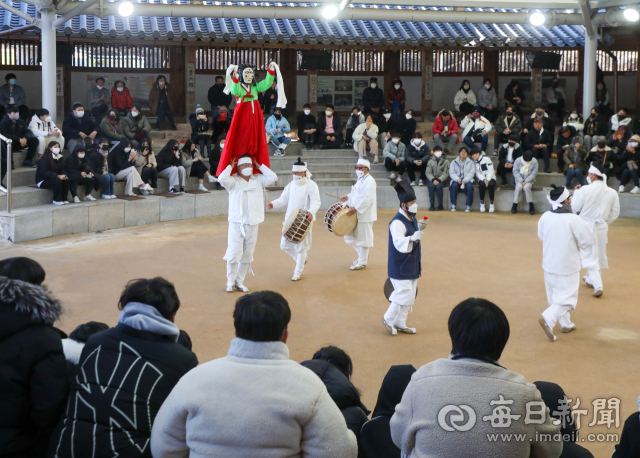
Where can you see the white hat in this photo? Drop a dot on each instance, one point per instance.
(299, 166)
(245, 160)
(364, 162)
(595, 171)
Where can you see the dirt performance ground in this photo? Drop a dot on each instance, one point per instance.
(497, 257)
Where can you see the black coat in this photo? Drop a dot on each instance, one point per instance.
(75, 165)
(198, 126)
(503, 152)
(535, 138)
(14, 130)
(372, 98)
(49, 168)
(217, 97)
(629, 446)
(596, 127)
(72, 126)
(304, 121)
(597, 158)
(95, 160)
(119, 158)
(33, 370)
(343, 393)
(407, 129)
(547, 124)
(166, 158)
(129, 373)
(386, 125)
(417, 154)
(337, 126)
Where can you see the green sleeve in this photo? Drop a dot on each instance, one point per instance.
(236, 89)
(266, 82)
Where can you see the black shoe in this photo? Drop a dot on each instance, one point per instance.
(13, 166)
(440, 208)
(29, 164)
(432, 208)
(514, 208)
(173, 191)
(532, 210)
(547, 169)
(157, 128)
(504, 183)
(181, 190)
(174, 128)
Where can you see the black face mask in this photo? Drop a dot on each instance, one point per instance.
(622, 117)
(593, 115)
(555, 84)
(511, 145)
(112, 118)
(601, 144)
(539, 112)
(104, 147)
(509, 115)
(277, 116)
(176, 148)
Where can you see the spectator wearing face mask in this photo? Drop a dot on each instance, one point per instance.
(486, 178)
(193, 165)
(386, 125)
(540, 141)
(394, 157)
(199, 130)
(461, 170)
(437, 173)
(488, 100)
(136, 127)
(445, 128)
(525, 171)
(540, 114)
(621, 119)
(16, 130)
(601, 155)
(330, 129)
(508, 124)
(373, 98)
(307, 127)
(465, 98)
(146, 165)
(574, 121)
(407, 127)
(575, 159)
(417, 155)
(630, 157)
(51, 174)
(217, 98)
(271, 98)
(555, 98)
(121, 98)
(365, 138)
(594, 127)
(77, 128)
(111, 127)
(12, 94)
(79, 172)
(514, 97)
(354, 121)
(396, 100)
(160, 103)
(277, 126)
(217, 153)
(45, 130)
(99, 163)
(507, 156)
(170, 166)
(99, 100)
(564, 141)
(619, 139)
(221, 122)
(122, 160)
(476, 130)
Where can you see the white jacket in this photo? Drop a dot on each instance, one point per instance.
(246, 198)
(41, 128)
(372, 132)
(576, 124)
(460, 96)
(484, 169)
(563, 235)
(303, 197)
(481, 123)
(550, 94)
(253, 403)
(363, 198)
(615, 124)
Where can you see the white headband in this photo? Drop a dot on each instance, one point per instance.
(595, 171)
(299, 168)
(245, 160)
(364, 162)
(555, 204)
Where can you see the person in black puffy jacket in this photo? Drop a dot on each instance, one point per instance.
(51, 173)
(79, 172)
(334, 367)
(417, 156)
(33, 370)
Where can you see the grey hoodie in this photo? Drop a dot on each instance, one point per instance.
(464, 171)
(95, 94)
(393, 151)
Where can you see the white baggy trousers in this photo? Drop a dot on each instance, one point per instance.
(562, 297)
(239, 255)
(402, 299)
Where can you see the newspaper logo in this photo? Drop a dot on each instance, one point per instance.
(452, 418)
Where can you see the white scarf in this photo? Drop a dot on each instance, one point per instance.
(555, 204)
(524, 170)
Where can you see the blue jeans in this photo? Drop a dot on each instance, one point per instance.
(395, 114)
(433, 190)
(280, 141)
(106, 182)
(454, 187)
(577, 174)
(162, 112)
(470, 143)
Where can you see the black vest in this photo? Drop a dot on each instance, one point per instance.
(404, 266)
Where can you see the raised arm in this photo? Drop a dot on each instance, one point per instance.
(226, 180)
(267, 81)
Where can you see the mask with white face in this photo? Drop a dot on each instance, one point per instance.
(395, 140)
(134, 113)
(573, 116)
(633, 144)
(397, 86)
(247, 171)
(247, 75)
(413, 208)
(127, 149)
(373, 85)
(80, 114)
(488, 86)
(47, 119)
(99, 87)
(297, 178)
(14, 116)
(55, 150)
(437, 154)
(589, 180)
(328, 113)
(120, 89)
(408, 116)
(387, 115)
(359, 173)
(221, 145)
(80, 155)
(307, 112)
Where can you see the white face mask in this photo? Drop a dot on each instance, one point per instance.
(126, 150)
(328, 113)
(633, 144)
(488, 86)
(397, 86)
(307, 112)
(359, 173)
(387, 115)
(221, 145)
(373, 85)
(589, 180)
(395, 140)
(80, 114)
(247, 171)
(413, 208)
(134, 113)
(160, 84)
(417, 142)
(573, 116)
(297, 178)
(47, 119)
(120, 89)
(408, 116)
(99, 87)
(55, 150)
(80, 155)
(437, 154)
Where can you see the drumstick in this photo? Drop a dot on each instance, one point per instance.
(331, 195)
(266, 195)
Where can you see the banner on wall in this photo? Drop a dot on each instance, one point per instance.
(343, 93)
(139, 85)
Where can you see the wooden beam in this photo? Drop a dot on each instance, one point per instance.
(427, 85)
(391, 71)
(312, 90)
(190, 83)
(288, 59)
(177, 83)
(491, 66)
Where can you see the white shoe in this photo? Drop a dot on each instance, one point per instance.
(143, 190)
(492, 208)
(635, 190)
(399, 179)
(242, 288)
(357, 266)
(55, 202)
(467, 209)
(482, 209)
(212, 179)
(113, 196)
(89, 197)
(413, 183)
(66, 202)
(149, 188)
(295, 277)
(392, 176)
(621, 189)
(420, 183)
(229, 288)
(547, 330)
(76, 200)
(202, 188)
(375, 159)
(584, 279)
(405, 330)
(389, 327)
(598, 293)
(106, 197)
(453, 208)
(482, 153)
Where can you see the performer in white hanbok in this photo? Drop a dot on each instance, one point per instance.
(246, 212)
(300, 194)
(598, 205)
(563, 235)
(363, 201)
(404, 264)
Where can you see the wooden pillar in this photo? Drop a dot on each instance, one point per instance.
(177, 81)
(190, 82)
(391, 71)
(638, 90)
(580, 78)
(536, 85)
(491, 66)
(288, 58)
(427, 85)
(312, 90)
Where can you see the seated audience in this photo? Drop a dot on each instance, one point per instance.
(221, 122)
(365, 138)
(565, 137)
(160, 103)
(51, 174)
(601, 155)
(508, 124)
(73, 345)
(619, 139)
(170, 166)
(334, 367)
(217, 98)
(136, 127)
(539, 141)
(476, 130)
(120, 98)
(146, 165)
(386, 125)
(77, 128)
(525, 171)
(12, 94)
(329, 129)
(217, 153)
(437, 173)
(556, 98)
(393, 155)
(575, 122)
(285, 408)
(271, 98)
(445, 128)
(416, 156)
(465, 98)
(515, 97)
(631, 158)
(99, 162)
(461, 170)
(373, 99)
(307, 127)
(276, 127)
(145, 343)
(122, 160)
(621, 119)
(396, 100)
(507, 156)
(594, 126)
(407, 127)
(45, 130)
(575, 162)
(99, 100)
(629, 446)
(16, 130)
(375, 437)
(111, 127)
(488, 100)
(194, 166)
(34, 372)
(472, 377)
(486, 178)
(354, 121)
(541, 115)
(79, 172)
(199, 130)
(556, 401)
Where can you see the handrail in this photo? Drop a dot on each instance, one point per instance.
(7, 190)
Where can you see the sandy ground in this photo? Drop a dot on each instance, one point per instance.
(497, 257)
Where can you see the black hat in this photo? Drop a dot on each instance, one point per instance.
(373, 79)
(556, 192)
(514, 137)
(527, 156)
(405, 192)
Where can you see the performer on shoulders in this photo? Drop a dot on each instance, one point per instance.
(246, 212)
(303, 194)
(363, 201)
(404, 264)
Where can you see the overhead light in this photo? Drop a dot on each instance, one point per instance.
(631, 15)
(125, 9)
(330, 11)
(537, 19)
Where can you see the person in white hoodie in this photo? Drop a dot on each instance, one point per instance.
(300, 194)
(563, 235)
(45, 130)
(246, 212)
(255, 402)
(476, 130)
(486, 176)
(620, 119)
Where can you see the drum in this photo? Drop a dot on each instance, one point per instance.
(296, 226)
(388, 289)
(337, 220)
